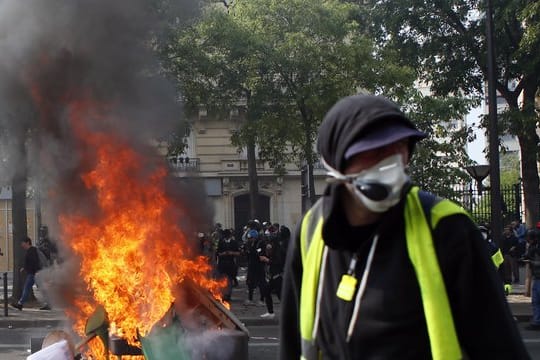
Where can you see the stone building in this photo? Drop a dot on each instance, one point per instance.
(211, 157)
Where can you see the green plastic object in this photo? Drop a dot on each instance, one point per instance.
(98, 324)
(165, 343)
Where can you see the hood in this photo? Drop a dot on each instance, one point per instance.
(346, 121)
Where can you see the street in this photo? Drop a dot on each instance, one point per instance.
(263, 343)
(15, 343)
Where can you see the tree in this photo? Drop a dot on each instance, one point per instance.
(313, 54)
(318, 51)
(445, 41)
(439, 159)
(211, 64)
(20, 226)
(289, 61)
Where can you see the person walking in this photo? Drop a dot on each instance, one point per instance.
(31, 267)
(533, 257)
(273, 258)
(255, 268)
(227, 251)
(380, 269)
(510, 251)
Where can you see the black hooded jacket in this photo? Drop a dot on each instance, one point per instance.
(348, 120)
(391, 322)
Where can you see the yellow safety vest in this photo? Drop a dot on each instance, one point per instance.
(440, 323)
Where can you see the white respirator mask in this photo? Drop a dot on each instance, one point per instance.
(378, 187)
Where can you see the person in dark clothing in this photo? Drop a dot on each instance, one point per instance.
(46, 245)
(273, 258)
(255, 268)
(533, 256)
(227, 251)
(510, 251)
(31, 267)
(285, 237)
(377, 268)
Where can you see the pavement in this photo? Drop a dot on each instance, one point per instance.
(32, 317)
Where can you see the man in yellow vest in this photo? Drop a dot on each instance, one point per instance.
(380, 269)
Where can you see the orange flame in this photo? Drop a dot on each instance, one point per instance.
(134, 253)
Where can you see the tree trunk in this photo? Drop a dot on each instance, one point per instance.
(253, 181)
(529, 176)
(18, 208)
(528, 143)
(309, 155)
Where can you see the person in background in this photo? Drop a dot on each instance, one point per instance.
(520, 231)
(227, 251)
(510, 251)
(273, 258)
(496, 256)
(255, 268)
(217, 235)
(494, 251)
(379, 269)
(31, 267)
(533, 257)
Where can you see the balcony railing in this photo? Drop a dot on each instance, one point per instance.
(184, 163)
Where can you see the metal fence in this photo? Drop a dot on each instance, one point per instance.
(478, 202)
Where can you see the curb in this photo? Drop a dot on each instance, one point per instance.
(29, 323)
(13, 323)
(250, 321)
(255, 321)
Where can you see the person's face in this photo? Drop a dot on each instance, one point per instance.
(367, 159)
(25, 245)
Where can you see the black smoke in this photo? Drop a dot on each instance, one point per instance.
(52, 53)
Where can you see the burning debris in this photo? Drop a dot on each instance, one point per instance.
(80, 111)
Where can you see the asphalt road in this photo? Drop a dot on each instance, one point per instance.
(263, 343)
(15, 343)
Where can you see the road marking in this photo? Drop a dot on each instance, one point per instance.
(263, 344)
(14, 346)
(263, 338)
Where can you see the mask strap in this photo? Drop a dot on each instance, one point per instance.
(336, 175)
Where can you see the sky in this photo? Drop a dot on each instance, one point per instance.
(475, 148)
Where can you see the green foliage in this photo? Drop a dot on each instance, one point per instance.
(313, 54)
(509, 168)
(284, 63)
(440, 159)
(445, 41)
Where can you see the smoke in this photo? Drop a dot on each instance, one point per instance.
(54, 53)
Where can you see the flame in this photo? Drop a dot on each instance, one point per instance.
(134, 252)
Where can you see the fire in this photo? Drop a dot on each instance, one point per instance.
(133, 251)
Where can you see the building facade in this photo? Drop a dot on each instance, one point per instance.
(223, 169)
(6, 227)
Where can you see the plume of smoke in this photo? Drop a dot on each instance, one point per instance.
(57, 49)
(51, 52)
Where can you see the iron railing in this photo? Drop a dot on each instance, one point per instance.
(477, 201)
(184, 163)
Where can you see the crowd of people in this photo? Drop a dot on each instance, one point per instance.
(519, 247)
(261, 248)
